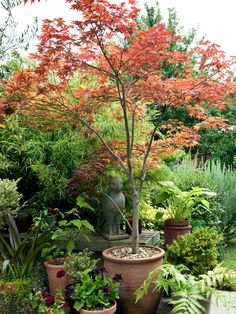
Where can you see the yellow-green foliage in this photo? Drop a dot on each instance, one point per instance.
(147, 214)
(9, 199)
(198, 250)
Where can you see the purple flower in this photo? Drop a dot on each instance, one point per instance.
(117, 278)
(61, 273)
(106, 290)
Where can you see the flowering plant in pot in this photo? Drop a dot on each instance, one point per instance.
(45, 303)
(94, 292)
(178, 207)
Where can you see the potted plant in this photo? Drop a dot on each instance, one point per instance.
(179, 206)
(45, 303)
(77, 263)
(65, 234)
(189, 293)
(127, 72)
(96, 294)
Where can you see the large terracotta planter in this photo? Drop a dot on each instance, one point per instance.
(134, 272)
(110, 310)
(173, 229)
(53, 266)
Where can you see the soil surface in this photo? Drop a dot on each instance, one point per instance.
(126, 253)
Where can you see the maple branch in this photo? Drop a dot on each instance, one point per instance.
(102, 140)
(132, 129)
(144, 167)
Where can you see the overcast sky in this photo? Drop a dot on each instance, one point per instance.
(214, 18)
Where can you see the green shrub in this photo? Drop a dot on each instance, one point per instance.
(18, 301)
(9, 199)
(198, 250)
(77, 263)
(43, 159)
(225, 179)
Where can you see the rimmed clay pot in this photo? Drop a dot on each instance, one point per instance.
(134, 272)
(57, 275)
(110, 310)
(173, 229)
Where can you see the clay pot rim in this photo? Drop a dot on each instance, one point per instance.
(135, 260)
(113, 307)
(49, 263)
(171, 222)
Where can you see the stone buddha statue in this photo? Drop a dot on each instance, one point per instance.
(112, 206)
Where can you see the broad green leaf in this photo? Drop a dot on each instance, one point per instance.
(80, 201)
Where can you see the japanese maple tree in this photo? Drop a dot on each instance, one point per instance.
(120, 65)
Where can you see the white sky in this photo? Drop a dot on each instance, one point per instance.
(214, 18)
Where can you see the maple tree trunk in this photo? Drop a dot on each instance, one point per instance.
(135, 218)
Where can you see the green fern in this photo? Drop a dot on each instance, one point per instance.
(188, 291)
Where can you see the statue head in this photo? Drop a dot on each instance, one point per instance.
(115, 184)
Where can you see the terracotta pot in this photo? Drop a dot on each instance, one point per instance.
(127, 228)
(53, 267)
(110, 310)
(173, 229)
(134, 272)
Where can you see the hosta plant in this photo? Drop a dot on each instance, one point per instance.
(179, 205)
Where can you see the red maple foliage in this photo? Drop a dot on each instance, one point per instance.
(117, 63)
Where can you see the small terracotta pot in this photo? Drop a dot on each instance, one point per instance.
(134, 272)
(110, 310)
(55, 282)
(173, 229)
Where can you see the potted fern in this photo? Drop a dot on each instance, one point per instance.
(178, 207)
(189, 294)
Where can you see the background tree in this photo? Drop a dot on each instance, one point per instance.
(124, 77)
(10, 38)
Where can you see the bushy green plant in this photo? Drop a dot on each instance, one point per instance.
(198, 250)
(65, 230)
(43, 159)
(188, 291)
(19, 255)
(9, 199)
(18, 300)
(77, 263)
(94, 292)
